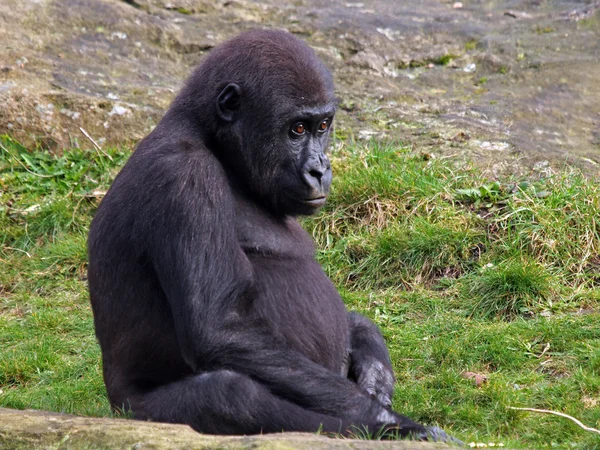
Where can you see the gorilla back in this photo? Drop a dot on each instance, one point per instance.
(209, 306)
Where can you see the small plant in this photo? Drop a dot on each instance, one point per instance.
(471, 45)
(444, 60)
(486, 193)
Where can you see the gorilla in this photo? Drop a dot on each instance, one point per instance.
(209, 306)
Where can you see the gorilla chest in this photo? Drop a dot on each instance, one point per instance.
(302, 308)
(291, 293)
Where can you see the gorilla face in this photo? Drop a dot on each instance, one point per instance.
(306, 179)
(275, 105)
(283, 148)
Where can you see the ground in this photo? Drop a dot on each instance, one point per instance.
(463, 217)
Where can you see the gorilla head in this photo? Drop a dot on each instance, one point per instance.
(267, 104)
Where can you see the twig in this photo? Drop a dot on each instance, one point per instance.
(18, 250)
(546, 348)
(523, 208)
(75, 209)
(546, 411)
(85, 133)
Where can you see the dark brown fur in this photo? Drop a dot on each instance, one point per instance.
(209, 306)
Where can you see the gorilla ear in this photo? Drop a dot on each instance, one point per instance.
(228, 102)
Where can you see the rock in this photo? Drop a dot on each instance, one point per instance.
(479, 379)
(469, 68)
(82, 56)
(368, 60)
(119, 111)
(43, 430)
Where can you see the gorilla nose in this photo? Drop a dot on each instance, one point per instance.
(317, 173)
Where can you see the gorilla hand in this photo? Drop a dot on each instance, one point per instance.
(370, 365)
(394, 425)
(376, 378)
(436, 434)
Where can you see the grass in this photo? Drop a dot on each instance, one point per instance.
(462, 275)
(508, 290)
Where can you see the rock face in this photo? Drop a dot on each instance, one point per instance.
(28, 430)
(501, 86)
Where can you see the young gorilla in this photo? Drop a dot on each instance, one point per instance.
(208, 303)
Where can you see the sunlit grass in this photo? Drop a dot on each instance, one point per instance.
(463, 274)
(511, 289)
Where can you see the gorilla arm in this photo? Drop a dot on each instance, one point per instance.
(207, 280)
(370, 364)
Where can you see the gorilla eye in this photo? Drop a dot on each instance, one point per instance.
(299, 128)
(324, 125)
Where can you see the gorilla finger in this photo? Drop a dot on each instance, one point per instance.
(384, 399)
(436, 434)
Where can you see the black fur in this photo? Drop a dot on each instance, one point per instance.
(209, 305)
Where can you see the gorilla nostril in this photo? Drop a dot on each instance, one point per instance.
(316, 174)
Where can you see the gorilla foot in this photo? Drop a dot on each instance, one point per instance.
(436, 434)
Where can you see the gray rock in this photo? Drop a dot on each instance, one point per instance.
(533, 71)
(30, 430)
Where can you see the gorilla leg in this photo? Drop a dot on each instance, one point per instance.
(225, 402)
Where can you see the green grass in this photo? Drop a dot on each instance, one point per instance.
(462, 274)
(512, 288)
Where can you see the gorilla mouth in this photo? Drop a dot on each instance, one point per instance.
(317, 201)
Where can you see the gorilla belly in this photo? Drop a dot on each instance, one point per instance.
(295, 294)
